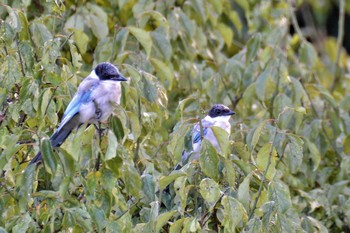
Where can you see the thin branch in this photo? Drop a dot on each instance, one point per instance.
(127, 210)
(98, 161)
(20, 56)
(265, 173)
(68, 37)
(339, 43)
(295, 21)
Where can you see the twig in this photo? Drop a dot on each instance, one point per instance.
(68, 37)
(97, 165)
(20, 56)
(295, 21)
(276, 88)
(265, 173)
(339, 43)
(127, 210)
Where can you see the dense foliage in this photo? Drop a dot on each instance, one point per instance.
(285, 168)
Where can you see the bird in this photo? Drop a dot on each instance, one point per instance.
(91, 104)
(218, 116)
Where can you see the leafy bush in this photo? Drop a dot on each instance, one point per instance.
(285, 168)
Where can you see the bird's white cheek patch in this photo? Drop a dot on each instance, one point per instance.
(94, 75)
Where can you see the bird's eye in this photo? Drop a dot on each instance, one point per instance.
(218, 111)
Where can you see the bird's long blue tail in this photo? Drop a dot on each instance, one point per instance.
(59, 136)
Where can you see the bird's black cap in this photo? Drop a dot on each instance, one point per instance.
(220, 110)
(107, 71)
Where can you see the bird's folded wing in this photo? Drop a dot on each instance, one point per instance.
(70, 118)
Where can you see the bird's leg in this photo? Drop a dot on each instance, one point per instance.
(100, 130)
(98, 114)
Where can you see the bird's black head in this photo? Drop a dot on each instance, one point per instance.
(220, 110)
(107, 71)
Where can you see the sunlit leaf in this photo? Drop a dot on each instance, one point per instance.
(226, 33)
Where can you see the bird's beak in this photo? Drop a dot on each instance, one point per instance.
(231, 113)
(119, 78)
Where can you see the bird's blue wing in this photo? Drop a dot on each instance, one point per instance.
(70, 118)
(196, 137)
(74, 105)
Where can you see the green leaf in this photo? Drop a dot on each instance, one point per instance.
(81, 217)
(176, 144)
(294, 151)
(150, 91)
(229, 171)
(257, 133)
(148, 188)
(156, 18)
(226, 32)
(117, 127)
(314, 154)
(112, 146)
(67, 162)
(81, 40)
(210, 192)
(234, 213)
(177, 226)
(48, 156)
(97, 19)
(243, 192)
(98, 217)
(300, 109)
(279, 193)
(241, 150)
(209, 160)
(263, 158)
(135, 125)
(132, 180)
(164, 72)
(252, 48)
(346, 145)
(223, 140)
(308, 55)
(23, 223)
(163, 218)
(45, 101)
(162, 45)
(40, 34)
(115, 165)
(263, 86)
(143, 37)
(24, 33)
(164, 181)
